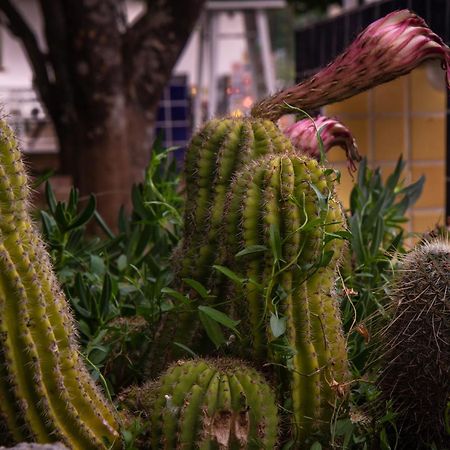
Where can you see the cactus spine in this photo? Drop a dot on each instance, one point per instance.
(415, 347)
(46, 393)
(285, 204)
(210, 404)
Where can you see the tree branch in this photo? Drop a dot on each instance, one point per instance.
(55, 28)
(18, 26)
(153, 44)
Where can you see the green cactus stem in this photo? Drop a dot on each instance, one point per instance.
(214, 156)
(208, 404)
(285, 207)
(415, 349)
(46, 394)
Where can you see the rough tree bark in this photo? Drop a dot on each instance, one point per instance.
(100, 79)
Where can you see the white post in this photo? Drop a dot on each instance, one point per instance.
(262, 27)
(202, 39)
(213, 23)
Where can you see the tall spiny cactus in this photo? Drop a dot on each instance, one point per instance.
(214, 156)
(208, 404)
(46, 393)
(216, 152)
(285, 206)
(415, 347)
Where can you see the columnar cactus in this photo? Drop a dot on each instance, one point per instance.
(209, 404)
(46, 393)
(284, 208)
(415, 347)
(216, 152)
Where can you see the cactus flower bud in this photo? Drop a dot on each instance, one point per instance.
(305, 133)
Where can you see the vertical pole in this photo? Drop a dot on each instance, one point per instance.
(262, 27)
(202, 39)
(213, 23)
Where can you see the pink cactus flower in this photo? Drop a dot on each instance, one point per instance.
(303, 135)
(390, 47)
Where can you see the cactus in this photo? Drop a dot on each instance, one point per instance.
(415, 346)
(46, 394)
(214, 156)
(284, 206)
(207, 404)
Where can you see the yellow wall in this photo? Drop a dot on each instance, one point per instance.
(406, 116)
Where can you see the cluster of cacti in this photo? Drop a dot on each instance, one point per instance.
(271, 216)
(289, 199)
(415, 347)
(208, 404)
(46, 394)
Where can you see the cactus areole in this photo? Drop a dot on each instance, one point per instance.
(46, 394)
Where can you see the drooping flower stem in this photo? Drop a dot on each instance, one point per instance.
(388, 48)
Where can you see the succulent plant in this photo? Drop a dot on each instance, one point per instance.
(282, 219)
(415, 347)
(207, 404)
(46, 393)
(214, 156)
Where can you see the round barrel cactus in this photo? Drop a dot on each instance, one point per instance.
(415, 347)
(207, 404)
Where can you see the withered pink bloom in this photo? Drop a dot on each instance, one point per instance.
(304, 136)
(390, 47)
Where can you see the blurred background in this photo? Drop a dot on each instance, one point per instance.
(89, 84)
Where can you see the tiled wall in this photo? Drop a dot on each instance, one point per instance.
(406, 116)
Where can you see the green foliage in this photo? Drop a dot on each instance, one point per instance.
(121, 274)
(376, 219)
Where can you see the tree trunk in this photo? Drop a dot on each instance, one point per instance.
(100, 79)
(141, 134)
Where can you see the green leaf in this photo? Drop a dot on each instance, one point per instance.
(176, 295)
(42, 179)
(122, 262)
(187, 349)
(48, 224)
(212, 329)
(219, 317)
(250, 250)
(316, 446)
(277, 325)
(198, 287)
(230, 274)
(106, 296)
(50, 197)
(275, 242)
(103, 225)
(85, 216)
(97, 265)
